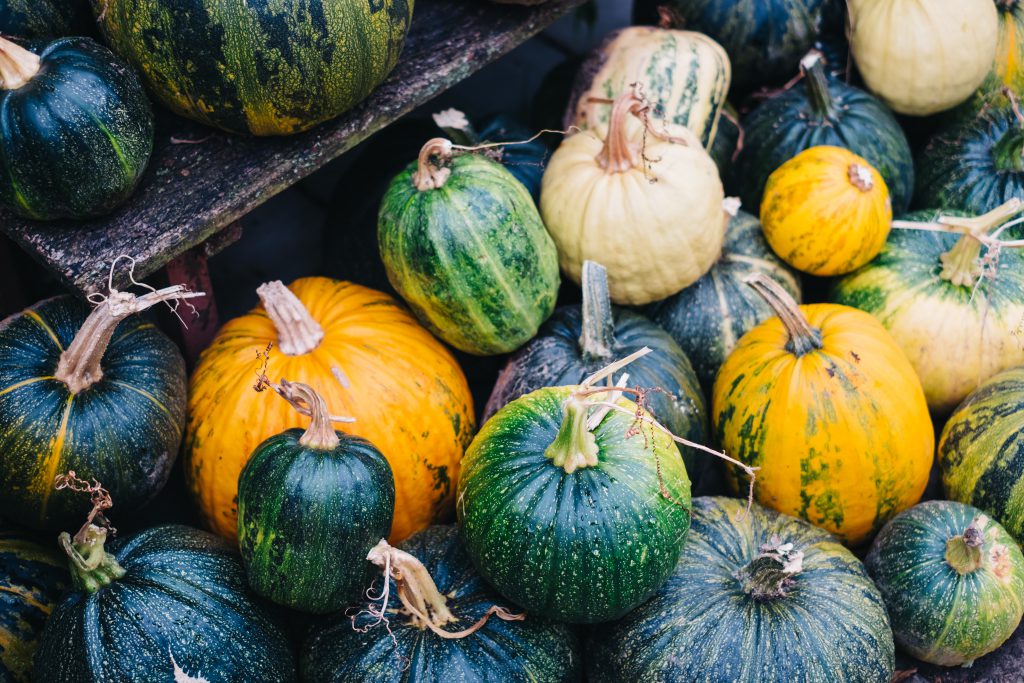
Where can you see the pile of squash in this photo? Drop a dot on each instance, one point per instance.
(788, 239)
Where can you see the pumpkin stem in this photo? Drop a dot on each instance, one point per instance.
(598, 338)
(964, 553)
(769, 575)
(860, 177)
(618, 154)
(320, 434)
(803, 338)
(92, 567)
(575, 446)
(961, 265)
(18, 66)
(812, 66)
(297, 332)
(428, 175)
(667, 17)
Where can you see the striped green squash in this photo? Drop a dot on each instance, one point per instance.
(43, 18)
(260, 68)
(952, 580)
(756, 596)
(31, 579)
(463, 244)
(981, 451)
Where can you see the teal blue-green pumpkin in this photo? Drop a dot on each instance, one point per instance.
(31, 579)
(709, 317)
(463, 244)
(405, 650)
(952, 579)
(571, 524)
(76, 131)
(259, 68)
(100, 393)
(756, 596)
(168, 602)
(36, 19)
(727, 139)
(311, 505)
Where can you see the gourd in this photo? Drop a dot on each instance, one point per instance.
(952, 580)
(727, 140)
(921, 58)
(580, 340)
(600, 202)
(821, 110)
(710, 316)
(1006, 70)
(101, 393)
(76, 133)
(956, 319)
(438, 581)
(31, 579)
(36, 19)
(258, 68)
(979, 451)
(756, 596)
(311, 504)
(826, 211)
(823, 400)
(1004, 664)
(368, 358)
(612, 506)
(463, 244)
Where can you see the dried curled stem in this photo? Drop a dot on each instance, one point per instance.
(98, 496)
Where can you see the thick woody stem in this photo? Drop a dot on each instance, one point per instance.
(618, 154)
(429, 175)
(320, 434)
(297, 332)
(803, 338)
(18, 66)
(598, 338)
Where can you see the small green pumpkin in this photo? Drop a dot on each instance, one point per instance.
(952, 580)
(36, 19)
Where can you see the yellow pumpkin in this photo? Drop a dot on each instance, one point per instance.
(824, 402)
(923, 56)
(642, 198)
(826, 211)
(368, 358)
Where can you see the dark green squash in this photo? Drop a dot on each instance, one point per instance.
(36, 19)
(605, 512)
(708, 317)
(167, 602)
(463, 244)
(100, 393)
(311, 504)
(31, 579)
(361, 648)
(756, 596)
(822, 111)
(76, 133)
(727, 140)
(256, 67)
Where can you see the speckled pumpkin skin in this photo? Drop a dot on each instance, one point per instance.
(702, 626)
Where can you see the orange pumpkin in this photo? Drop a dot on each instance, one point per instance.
(368, 358)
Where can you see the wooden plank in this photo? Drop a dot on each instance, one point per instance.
(194, 189)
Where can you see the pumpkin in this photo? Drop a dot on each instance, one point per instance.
(822, 111)
(612, 506)
(1004, 664)
(823, 400)
(727, 140)
(952, 580)
(756, 596)
(100, 393)
(368, 359)
(167, 603)
(600, 203)
(43, 18)
(957, 324)
(311, 504)
(76, 133)
(451, 594)
(710, 316)
(463, 244)
(683, 75)
(1007, 70)
(826, 211)
(31, 579)
(921, 58)
(580, 340)
(258, 68)
(979, 451)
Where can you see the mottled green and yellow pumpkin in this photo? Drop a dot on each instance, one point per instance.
(1008, 67)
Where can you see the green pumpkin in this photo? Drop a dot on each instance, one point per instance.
(361, 648)
(99, 393)
(822, 111)
(727, 139)
(76, 133)
(463, 244)
(708, 317)
(31, 579)
(1008, 68)
(606, 511)
(43, 18)
(311, 505)
(163, 604)
(952, 580)
(756, 596)
(259, 68)
(981, 451)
